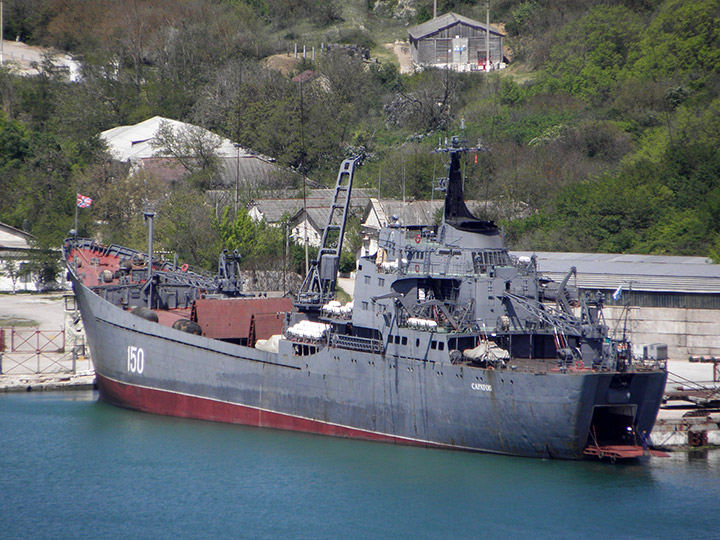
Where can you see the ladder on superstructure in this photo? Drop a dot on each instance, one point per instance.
(319, 285)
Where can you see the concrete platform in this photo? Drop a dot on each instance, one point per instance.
(48, 382)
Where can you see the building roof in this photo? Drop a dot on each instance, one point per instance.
(13, 239)
(318, 204)
(445, 21)
(658, 273)
(379, 212)
(133, 144)
(273, 210)
(130, 143)
(408, 213)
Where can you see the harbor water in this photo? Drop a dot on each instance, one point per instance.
(75, 467)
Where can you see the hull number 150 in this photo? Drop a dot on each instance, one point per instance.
(135, 359)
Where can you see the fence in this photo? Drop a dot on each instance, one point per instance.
(24, 351)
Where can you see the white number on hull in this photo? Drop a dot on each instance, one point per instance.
(136, 359)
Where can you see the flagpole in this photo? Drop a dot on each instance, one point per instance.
(76, 214)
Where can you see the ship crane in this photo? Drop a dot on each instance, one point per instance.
(321, 279)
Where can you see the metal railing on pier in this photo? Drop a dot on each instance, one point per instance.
(33, 351)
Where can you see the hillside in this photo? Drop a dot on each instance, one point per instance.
(607, 122)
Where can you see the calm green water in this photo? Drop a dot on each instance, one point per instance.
(74, 468)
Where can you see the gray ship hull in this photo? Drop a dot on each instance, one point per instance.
(149, 367)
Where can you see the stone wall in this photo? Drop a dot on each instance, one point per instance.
(685, 331)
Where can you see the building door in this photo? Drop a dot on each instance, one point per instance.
(460, 50)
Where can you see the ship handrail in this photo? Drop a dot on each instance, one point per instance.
(115, 250)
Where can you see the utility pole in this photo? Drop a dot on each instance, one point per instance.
(2, 35)
(487, 35)
(237, 176)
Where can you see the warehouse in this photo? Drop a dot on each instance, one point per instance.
(650, 298)
(457, 41)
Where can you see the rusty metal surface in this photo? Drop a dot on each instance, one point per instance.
(230, 318)
(168, 317)
(614, 451)
(701, 396)
(91, 264)
(266, 325)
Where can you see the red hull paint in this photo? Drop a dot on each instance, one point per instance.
(173, 404)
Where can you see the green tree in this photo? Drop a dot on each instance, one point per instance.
(682, 38)
(195, 148)
(591, 52)
(259, 244)
(184, 225)
(11, 269)
(44, 265)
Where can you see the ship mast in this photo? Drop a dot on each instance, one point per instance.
(457, 213)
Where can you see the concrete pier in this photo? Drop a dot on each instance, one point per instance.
(686, 429)
(46, 382)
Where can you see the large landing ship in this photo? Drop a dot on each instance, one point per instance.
(449, 343)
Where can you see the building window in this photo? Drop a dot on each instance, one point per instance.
(367, 280)
(365, 306)
(381, 282)
(441, 345)
(404, 340)
(433, 344)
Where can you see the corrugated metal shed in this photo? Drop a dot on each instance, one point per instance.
(248, 170)
(379, 212)
(273, 210)
(454, 39)
(318, 205)
(651, 273)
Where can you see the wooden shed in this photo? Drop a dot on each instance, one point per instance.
(452, 39)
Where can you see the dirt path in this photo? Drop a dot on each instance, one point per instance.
(401, 50)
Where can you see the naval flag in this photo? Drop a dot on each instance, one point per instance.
(617, 294)
(83, 201)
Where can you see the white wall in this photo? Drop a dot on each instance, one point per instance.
(685, 331)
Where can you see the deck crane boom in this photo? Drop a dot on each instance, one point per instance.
(321, 279)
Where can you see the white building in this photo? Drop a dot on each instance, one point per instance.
(239, 166)
(14, 253)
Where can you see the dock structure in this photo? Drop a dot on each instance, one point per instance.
(39, 382)
(47, 371)
(695, 428)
